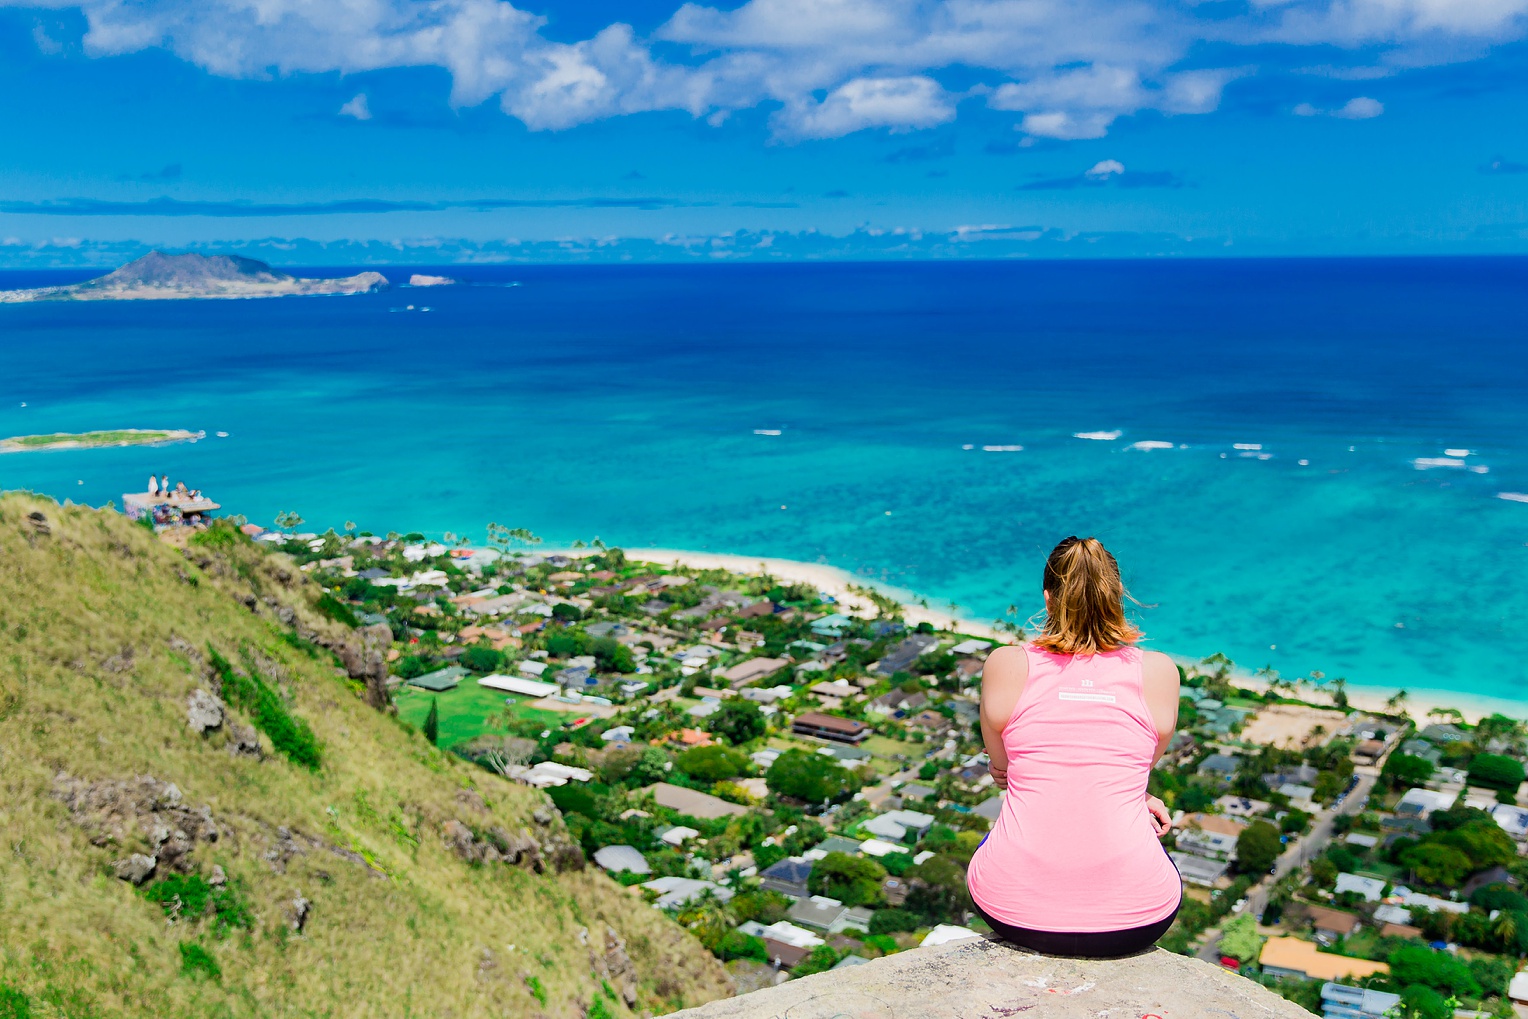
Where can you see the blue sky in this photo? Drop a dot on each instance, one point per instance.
(432, 131)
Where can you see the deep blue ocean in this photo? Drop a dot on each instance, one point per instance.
(623, 401)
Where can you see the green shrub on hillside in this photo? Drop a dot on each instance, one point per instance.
(14, 1004)
(252, 695)
(191, 897)
(197, 961)
(337, 610)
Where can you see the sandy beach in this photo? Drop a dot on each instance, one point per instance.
(838, 583)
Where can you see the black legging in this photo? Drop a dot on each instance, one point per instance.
(1085, 944)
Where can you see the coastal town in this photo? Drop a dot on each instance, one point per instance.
(798, 777)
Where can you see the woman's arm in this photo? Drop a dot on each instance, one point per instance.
(1003, 678)
(1160, 684)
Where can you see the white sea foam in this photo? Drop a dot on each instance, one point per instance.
(1002, 449)
(1423, 463)
(222, 435)
(766, 431)
(1304, 463)
(968, 446)
(1150, 444)
(1251, 447)
(1480, 469)
(1100, 436)
(1513, 496)
(1456, 452)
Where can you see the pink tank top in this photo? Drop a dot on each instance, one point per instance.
(1073, 848)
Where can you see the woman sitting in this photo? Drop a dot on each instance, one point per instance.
(1073, 723)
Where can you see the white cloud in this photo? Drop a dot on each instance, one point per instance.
(1362, 108)
(1105, 168)
(357, 108)
(902, 104)
(1065, 68)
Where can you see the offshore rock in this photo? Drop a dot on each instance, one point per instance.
(966, 979)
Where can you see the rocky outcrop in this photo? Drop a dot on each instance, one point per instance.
(989, 979)
(614, 965)
(160, 276)
(120, 812)
(204, 712)
(542, 846)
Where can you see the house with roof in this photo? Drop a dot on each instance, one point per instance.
(901, 657)
(1370, 889)
(1340, 1001)
(1331, 923)
(1444, 733)
(989, 808)
(1392, 914)
(678, 892)
(831, 915)
(1218, 766)
(832, 625)
(1199, 870)
(1512, 819)
(788, 876)
(1292, 957)
(616, 859)
(1490, 876)
(751, 671)
(822, 726)
(1211, 835)
(1423, 749)
(897, 825)
(972, 646)
(1242, 806)
(786, 943)
(440, 680)
(1420, 803)
(833, 844)
(692, 802)
(897, 703)
(766, 695)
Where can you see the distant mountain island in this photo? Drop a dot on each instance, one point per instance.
(158, 276)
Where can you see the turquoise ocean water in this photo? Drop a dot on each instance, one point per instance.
(624, 401)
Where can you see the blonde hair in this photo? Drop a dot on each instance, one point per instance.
(1085, 614)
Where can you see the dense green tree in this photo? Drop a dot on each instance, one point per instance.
(1422, 1002)
(1239, 938)
(737, 721)
(1499, 896)
(814, 778)
(713, 763)
(567, 613)
(1492, 973)
(1436, 864)
(611, 655)
(759, 904)
(1496, 771)
(1484, 842)
(891, 921)
(1402, 771)
(936, 890)
(481, 658)
(852, 880)
(822, 958)
(1257, 847)
(432, 721)
(1293, 822)
(567, 643)
(1456, 817)
(1417, 964)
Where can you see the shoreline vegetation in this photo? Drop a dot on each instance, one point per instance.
(98, 439)
(158, 277)
(854, 593)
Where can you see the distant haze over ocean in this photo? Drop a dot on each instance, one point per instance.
(640, 404)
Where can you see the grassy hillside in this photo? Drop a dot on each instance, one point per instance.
(337, 870)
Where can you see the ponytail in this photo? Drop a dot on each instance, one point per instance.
(1085, 614)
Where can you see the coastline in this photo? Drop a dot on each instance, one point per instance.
(837, 582)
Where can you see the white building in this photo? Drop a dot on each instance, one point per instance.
(1371, 888)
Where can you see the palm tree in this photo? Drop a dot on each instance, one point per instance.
(1340, 692)
(1397, 701)
(1505, 926)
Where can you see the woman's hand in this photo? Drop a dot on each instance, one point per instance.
(1161, 817)
(999, 775)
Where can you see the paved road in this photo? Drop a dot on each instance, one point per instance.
(1298, 853)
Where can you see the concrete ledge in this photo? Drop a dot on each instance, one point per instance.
(989, 980)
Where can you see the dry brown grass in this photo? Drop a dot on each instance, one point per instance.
(90, 685)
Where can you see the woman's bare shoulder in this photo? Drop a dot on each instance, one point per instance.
(1159, 669)
(1008, 662)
